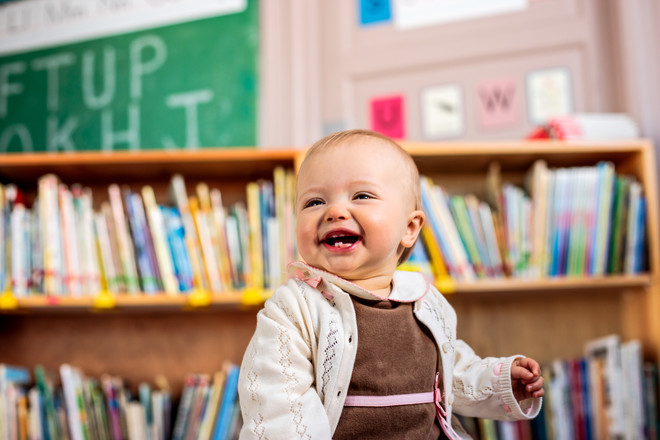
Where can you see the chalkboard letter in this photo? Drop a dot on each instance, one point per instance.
(60, 137)
(131, 135)
(92, 100)
(18, 130)
(140, 67)
(189, 101)
(52, 64)
(7, 87)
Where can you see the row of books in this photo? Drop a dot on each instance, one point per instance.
(577, 221)
(62, 246)
(73, 406)
(609, 393)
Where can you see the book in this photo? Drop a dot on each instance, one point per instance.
(72, 385)
(218, 228)
(110, 393)
(50, 235)
(157, 228)
(45, 387)
(136, 421)
(606, 351)
(89, 254)
(179, 197)
(256, 274)
(197, 405)
(619, 222)
(213, 404)
(430, 245)
(632, 388)
(108, 271)
(20, 251)
(536, 184)
(142, 244)
(106, 211)
(208, 244)
(651, 425)
(176, 241)
(435, 234)
(183, 411)
(461, 218)
(72, 275)
(229, 398)
(125, 246)
(603, 224)
(490, 237)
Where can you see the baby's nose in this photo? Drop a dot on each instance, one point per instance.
(336, 211)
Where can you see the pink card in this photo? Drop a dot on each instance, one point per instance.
(497, 103)
(388, 116)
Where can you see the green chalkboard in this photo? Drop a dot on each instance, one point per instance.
(187, 85)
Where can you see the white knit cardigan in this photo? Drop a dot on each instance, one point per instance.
(298, 365)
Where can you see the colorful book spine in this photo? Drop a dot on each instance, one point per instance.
(603, 226)
(106, 212)
(20, 250)
(179, 197)
(70, 246)
(157, 227)
(137, 222)
(229, 396)
(109, 274)
(125, 247)
(88, 252)
(218, 227)
(175, 234)
(51, 241)
(256, 274)
(207, 243)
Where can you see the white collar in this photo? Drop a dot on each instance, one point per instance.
(406, 286)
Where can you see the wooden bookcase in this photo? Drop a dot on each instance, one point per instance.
(144, 336)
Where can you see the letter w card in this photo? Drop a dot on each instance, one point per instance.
(497, 103)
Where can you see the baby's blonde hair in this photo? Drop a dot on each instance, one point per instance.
(341, 137)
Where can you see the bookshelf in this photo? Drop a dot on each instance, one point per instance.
(141, 336)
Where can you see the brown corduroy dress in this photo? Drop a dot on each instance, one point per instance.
(396, 354)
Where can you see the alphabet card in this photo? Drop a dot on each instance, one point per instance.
(549, 94)
(388, 116)
(442, 111)
(497, 103)
(374, 12)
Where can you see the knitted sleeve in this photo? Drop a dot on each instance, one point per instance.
(277, 382)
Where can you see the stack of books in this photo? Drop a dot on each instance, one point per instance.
(609, 392)
(71, 405)
(578, 221)
(61, 246)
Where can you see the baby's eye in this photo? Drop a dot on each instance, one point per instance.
(362, 196)
(313, 202)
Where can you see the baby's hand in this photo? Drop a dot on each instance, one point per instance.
(526, 379)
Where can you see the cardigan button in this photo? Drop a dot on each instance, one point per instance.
(350, 339)
(338, 394)
(446, 347)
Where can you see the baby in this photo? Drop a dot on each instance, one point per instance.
(352, 348)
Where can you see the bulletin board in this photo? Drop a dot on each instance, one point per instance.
(182, 86)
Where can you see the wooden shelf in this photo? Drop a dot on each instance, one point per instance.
(234, 300)
(127, 303)
(556, 285)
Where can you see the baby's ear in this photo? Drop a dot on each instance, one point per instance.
(414, 226)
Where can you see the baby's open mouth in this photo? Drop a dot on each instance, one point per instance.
(340, 240)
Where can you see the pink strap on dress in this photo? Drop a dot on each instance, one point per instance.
(391, 400)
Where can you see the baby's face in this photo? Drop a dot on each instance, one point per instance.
(353, 209)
